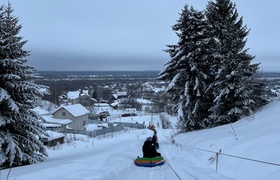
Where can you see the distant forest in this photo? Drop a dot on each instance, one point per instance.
(48, 75)
(97, 74)
(63, 81)
(60, 82)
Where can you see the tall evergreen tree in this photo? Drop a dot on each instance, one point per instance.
(20, 129)
(233, 86)
(187, 70)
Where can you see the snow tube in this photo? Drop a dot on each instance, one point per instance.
(149, 162)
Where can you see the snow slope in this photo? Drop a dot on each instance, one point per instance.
(188, 156)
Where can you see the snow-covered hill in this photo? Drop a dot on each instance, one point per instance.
(249, 150)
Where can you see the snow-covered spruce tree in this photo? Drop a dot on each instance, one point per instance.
(234, 85)
(20, 129)
(188, 71)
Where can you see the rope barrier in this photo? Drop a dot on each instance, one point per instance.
(170, 165)
(225, 154)
(173, 170)
(249, 159)
(234, 156)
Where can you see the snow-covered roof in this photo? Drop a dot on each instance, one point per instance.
(144, 101)
(114, 104)
(75, 109)
(101, 105)
(162, 89)
(130, 109)
(115, 96)
(76, 94)
(51, 125)
(54, 135)
(121, 93)
(73, 94)
(50, 119)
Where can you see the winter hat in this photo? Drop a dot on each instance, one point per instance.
(149, 139)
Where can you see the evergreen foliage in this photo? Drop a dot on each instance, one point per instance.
(234, 85)
(210, 73)
(187, 70)
(20, 129)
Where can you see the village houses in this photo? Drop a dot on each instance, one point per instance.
(73, 116)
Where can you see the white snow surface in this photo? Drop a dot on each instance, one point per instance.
(50, 119)
(249, 150)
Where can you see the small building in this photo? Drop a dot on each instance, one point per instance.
(55, 124)
(99, 107)
(76, 112)
(53, 139)
(80, 97)
(119, 95)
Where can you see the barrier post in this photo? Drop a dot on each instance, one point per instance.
(217, 160)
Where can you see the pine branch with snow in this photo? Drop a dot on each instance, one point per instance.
(20, 129)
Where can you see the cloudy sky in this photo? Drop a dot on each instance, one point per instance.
(92, 35)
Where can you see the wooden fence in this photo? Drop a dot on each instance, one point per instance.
(120, 126)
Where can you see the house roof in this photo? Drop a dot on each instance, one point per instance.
(144, 101)
(77, 94)
(54, 135)
(101, 105)
(121, 93)
(76, 110)
(73, 94)
(50, 119)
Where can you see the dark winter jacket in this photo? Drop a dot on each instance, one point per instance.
(154, 139)
(149, 150)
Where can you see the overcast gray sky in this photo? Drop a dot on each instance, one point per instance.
(92, 35)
